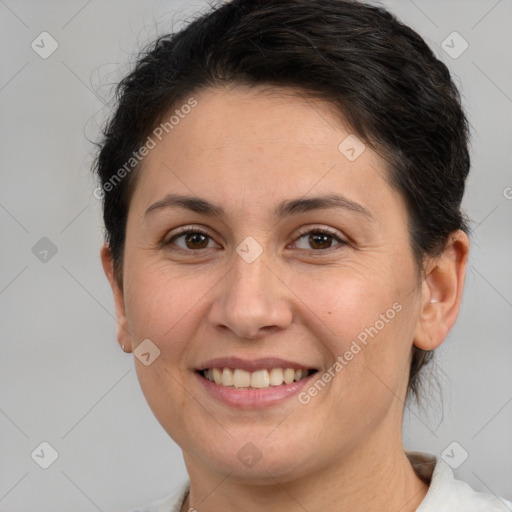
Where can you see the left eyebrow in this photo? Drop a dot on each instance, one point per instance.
(284, 209)
(296, 206)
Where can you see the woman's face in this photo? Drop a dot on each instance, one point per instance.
(263, 289)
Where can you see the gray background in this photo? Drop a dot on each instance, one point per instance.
(64, 379)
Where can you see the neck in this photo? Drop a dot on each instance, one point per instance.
(371, 479)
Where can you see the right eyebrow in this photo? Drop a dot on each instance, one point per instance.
(195, 204)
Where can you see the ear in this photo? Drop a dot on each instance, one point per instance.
(441, 292)
(123, 336)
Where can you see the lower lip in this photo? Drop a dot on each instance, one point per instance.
(250, 398)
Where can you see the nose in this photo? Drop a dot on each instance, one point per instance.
(252, 300)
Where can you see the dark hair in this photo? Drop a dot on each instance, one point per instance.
(379, 75)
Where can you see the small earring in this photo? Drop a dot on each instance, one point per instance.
(122, 346)
(433, 300)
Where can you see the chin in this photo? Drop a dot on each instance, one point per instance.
(255, 459)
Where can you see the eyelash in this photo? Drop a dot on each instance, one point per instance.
(324, 231)
(190, 231)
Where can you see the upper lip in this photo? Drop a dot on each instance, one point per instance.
(252, 364)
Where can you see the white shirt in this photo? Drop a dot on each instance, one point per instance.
(445, 493)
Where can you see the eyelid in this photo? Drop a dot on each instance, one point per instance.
(321, 229)
(185, 229)
(341, 244)
(182, 230)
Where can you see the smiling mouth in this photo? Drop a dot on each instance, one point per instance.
(259, 379)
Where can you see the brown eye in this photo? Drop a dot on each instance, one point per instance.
(196, 241)
(191, 240)
(318, 240)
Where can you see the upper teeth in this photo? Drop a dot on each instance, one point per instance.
(257, 379)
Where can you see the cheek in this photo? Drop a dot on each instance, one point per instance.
(344, 300)
(362, 321)
(164, 306)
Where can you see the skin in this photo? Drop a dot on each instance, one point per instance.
(248, 150)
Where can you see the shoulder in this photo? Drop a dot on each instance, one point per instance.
(170, 503)
(448, 494)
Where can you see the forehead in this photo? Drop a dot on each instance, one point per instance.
(261, 146)
(266, 116)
